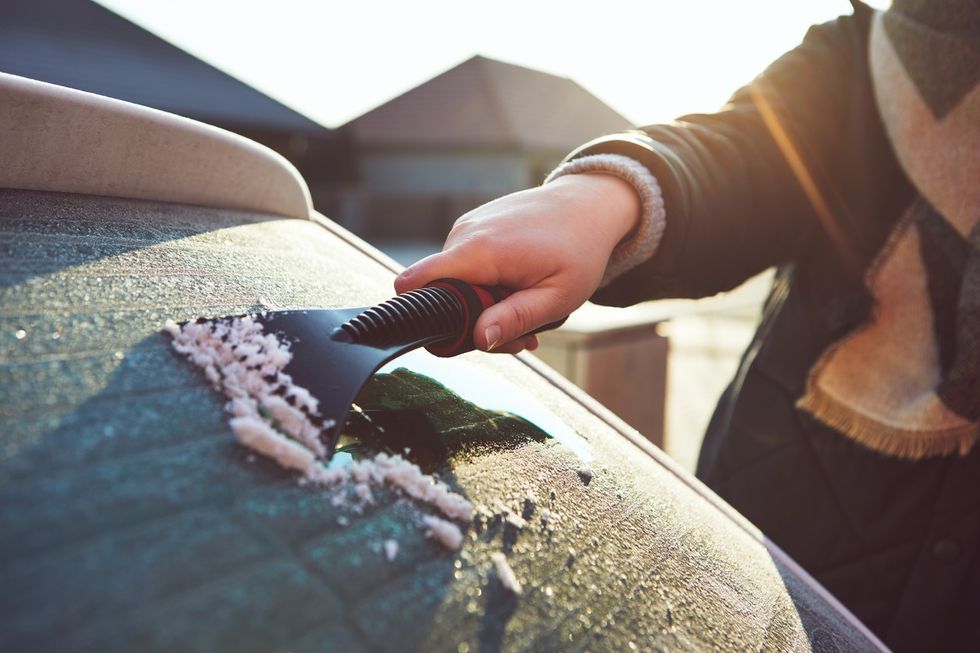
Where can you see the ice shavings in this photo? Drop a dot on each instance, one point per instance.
(515, 520)
(390, 549)
(293, 421)
(246, 364)
(363, 492)
(504, 573)
(259, 436)
(444, 532)
(280, 420)
(400, 474)
(413, 482)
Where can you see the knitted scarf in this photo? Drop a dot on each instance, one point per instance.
(907, 382)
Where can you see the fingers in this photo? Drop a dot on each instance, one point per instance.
(455, 262)
(414, 275)
(512, 319)
(530, 343)
(505, 326)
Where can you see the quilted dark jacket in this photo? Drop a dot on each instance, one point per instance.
(895, 540)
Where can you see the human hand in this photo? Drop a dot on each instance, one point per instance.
(549, 245)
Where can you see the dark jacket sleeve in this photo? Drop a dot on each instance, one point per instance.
(734, 204)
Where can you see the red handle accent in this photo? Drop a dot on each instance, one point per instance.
(474, 300)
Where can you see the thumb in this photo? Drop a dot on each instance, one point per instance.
(517, 315)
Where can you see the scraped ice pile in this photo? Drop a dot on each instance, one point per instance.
(280, 420)
(505, 574)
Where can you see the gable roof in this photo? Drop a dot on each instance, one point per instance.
(82, 45)
(485, 102)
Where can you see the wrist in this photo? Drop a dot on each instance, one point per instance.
(613, 199)
(620, 201)
(637, 229)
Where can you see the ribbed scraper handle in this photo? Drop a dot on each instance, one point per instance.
(445, 310)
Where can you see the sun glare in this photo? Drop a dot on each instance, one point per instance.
(650, 60)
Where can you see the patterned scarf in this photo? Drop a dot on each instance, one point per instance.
(907, 382)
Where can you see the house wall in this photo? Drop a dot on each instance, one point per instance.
(394, 196)
(454, 172)
(386, 219)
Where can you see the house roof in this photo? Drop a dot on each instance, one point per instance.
(82, 45)
(485, 102)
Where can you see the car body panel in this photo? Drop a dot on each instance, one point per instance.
(131, 519)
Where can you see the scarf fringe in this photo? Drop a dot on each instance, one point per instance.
(894, 441)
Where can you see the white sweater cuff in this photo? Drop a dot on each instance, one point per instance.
(642, 242)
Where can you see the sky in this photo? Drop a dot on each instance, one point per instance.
(651, 61)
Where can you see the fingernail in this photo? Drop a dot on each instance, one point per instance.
(493, 336)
